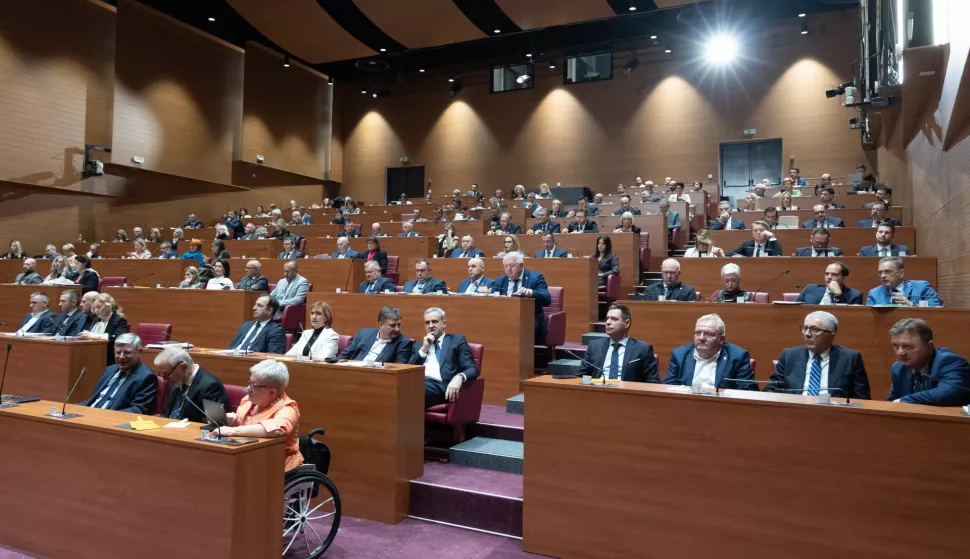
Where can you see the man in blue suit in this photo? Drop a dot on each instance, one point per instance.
(71, 320)
(833, 291)
(374, 282)
(884, 243)
(408, 230)
(724, 220)
(625, 207)
(519, 282)
(476, 282)
(128, 385)
(923, 373)
(344, 250)
(898, 291)
(819, 365)
(531, 204)
(384, 344)
(349, 230)
(261, 335)
(40, 320)
(619, 356)
(820, 245)
(545, 225)
(424, 283)
(878, 216)
(467, 249)
(822, 219)
(710, 361)
(549, 248)
(505, 226)
(447, 360)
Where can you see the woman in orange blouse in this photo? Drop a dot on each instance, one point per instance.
(266, 411)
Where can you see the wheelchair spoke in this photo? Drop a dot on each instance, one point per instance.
(293, 539)
(305, 542)
(319, 539)
(328, 515)
(330, 500)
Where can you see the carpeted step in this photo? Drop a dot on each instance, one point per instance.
(489, 454)
(495, 422)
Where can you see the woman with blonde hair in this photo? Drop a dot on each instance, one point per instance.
(787, 185)
(544, 191)
(518, 193)
(109, 323)
(511, 245)
(448, 240)
(704, 246)
(155, 235)
(626, 224)
(786, 202)
(60, 270)
(191, 281)
(319, 342)
(141, 251)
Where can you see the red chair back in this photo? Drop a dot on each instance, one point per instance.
(612, 291)
(161, 391)
(343, 342)
(678, 237)
(289, 340)
(752, 362)
(153, 332)
(392, 268)
(761, 298)
(790, 297)
(272, 287)
(293, 315)
(478, 353)
(236, 394)
(113, 281)
(407, 217)
(557, 294)
(399, 288)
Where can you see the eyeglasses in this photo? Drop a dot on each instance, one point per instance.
(254, 386)
(814, 331)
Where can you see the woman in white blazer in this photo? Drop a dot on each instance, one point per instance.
(320, 341)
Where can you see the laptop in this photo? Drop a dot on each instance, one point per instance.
(216, 412)
(788, 222)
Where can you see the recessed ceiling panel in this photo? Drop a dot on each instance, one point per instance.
(418, 24)
(533, 14)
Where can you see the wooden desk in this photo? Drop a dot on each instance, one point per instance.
(751, 475)
(143, 273)
(704, 274)
(435, 228)
(86, 489)
(625, 245)
(46, 368)
(850, 217)
(374, 419)
(577, 276)
(257, 248)
(115, 249)
(764, 330)
(204, 318)
(15, 301)
(402, 247)
(324, 274)
(504, 325)
(840, 190)
(849, 239)
(806, 202)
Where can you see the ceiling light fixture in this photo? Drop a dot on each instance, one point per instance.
(451, 78)
(523, 78)
(801, 15)
(654, 37)
(804, 28)
(667, 51)
(286, 61)
(212, 19)
(633, 8)
(721, 49)
(454, 89)
(363, 91)
(630, 66)
(383, 50)
(552, 64)
(421, 70)
(497, 31)
(529, 55)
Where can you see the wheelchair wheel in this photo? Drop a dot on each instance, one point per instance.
(311, 515)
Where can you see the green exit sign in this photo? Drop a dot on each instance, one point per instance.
(749, 131)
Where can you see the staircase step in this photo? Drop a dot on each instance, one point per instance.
(468, 497)
(596, 334)
(515, 404)
(489, 454)
(496, 423)
(598, 328)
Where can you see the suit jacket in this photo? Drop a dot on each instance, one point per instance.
(537, 283)
(69, 326)
(807, 251)
(894, 250)
(608, 266)
(829, 223)
(513, 229)
(632, 210)
(205, 386)
(639, 363)
(947, 383)
(351, 253)
(592, 210)
(680, 292)
(193, 225)
(914, 290)
(116, 326)
(291, 292)
(136, 393)
(733, 363)
(673, 219)
(397, 351)
(32, 278)
(270, 338)
(381, 285)
(353, 233)
(813, 293)
(716, 225)
(291, 255)
(773, 248)
(259, 283)
(556, 253)
(454, 357)
(846, 371)
(460, 253)
(433, 285)
(868, 223)
(43, 325)
(547, 227)
(236, 226)
(411, 234)
(588, 227)
(380, 256)
(484, 282)
(88, 280)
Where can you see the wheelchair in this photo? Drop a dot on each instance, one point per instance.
(311, 513)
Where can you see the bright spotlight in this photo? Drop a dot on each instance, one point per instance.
(523, 78)
(722, 49)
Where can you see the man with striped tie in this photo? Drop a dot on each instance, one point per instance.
(819, 365)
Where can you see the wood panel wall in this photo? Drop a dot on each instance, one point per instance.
(666, 119)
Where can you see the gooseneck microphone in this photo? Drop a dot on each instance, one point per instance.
(69, 394)
(132, 283)
(787, 271)
(3, 376)
(218, 428)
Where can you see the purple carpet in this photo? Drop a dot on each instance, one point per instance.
(495, 415)
(472, 479)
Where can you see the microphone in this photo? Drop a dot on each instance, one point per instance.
(3, 376)
(830, 389)
(787, 271)
(597, 367)
(258, 251)
(218, 428)
(64, 415)
(132, 283)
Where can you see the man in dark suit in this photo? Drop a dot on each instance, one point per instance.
(724, 220)
(833, 291)
(671, 288)
(193, 223)
(625, 207)
(467, 249)
(344, 250)
(250, 232)
(253, 280)
(819, 365)
(505, 226)
(549, 248)
(544, 225)
(384, 344)
(234, 223)
(87, 307)
(519, 282)
(923, 373)
(447, 360)
(710, 362)
(29, 276)
(261, 335)
(884, 243)
(349, 230)
(476, 282)
(531, 204)
(128, 385)
(582, 225)
(583, 204)
(40, 319)
(187, 380)
(374, 282)
(289, 250)
(763, 244)
(619, 356)
(827, 196)
(424, 283)
(71, 320)
(820, 245)
(408, 230)
(822, 219)
(673, 218)
(877, 215)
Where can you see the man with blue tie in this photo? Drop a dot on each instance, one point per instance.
(618, 356)
(383, 344)
(710, 362)
(128, 385)
(261, 335)
(476, 282)
(519, 282)
(407, 230)
(374, 282)
(447, 360)
(819, 365)
(884, 243)
(40, 320)
(923, 373)
(549, 248)
(544, 225)
(822, 219)
(424, 282)
(343, 249)
(898, 291)
(833, 291)
(877, 213)
(467, 249)
(71, 320)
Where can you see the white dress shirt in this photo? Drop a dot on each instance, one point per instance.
(377, 347)
(246, 342)
(609, 357)
(218, 284)
(473, 285)
(824, 384)
(30, 323)
(432, 369)
(705, 370)
(760, 250)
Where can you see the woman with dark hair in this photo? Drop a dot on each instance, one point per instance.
(698, 186)
(121, 236)
(219, 251)
(220, 281)
(609, 264)
(374, 252)
(87, 278)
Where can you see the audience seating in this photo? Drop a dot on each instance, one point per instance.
(153, 332)
(678, 238)
(392, 268)
(645, 253)
(790, 297)
(611, 291)
(289, 340)
(114, 281)
(343, 342)
(467, 407)
(161, 390)
(235, 395)
(293, 317)
(760, 297)
(555, 327)
(301, 246)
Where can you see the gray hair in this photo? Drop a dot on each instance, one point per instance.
(716, 320)
(517, 256)
(676, 263)
(129, 339)
(372, 264)
(52, 247)
(174, 355)
(176, 234)
(827, 318)
(916, 326)
(42, 295)
(731, 268)
(894, 259)
(255, 263)
(506, 215)
(440, 312)
(424, 261)
(627, 215)
(388, 313)
(271, 372)
(541, 212)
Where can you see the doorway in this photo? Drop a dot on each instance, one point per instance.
(745, 163)
(404, 180)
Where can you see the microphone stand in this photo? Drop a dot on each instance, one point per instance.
(3, 377)
(218, 428)
(63, 414)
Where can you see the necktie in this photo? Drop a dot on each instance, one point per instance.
(548, 254)
(105, 401)
(615, 362)
(815, 380)
(177, 410)
(419, 288)
(882, 252)
(666, 292)
(250, 338)
(515, 286)
(370, 288)
(918, 384)
(757, 251)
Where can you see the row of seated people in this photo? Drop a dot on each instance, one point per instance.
(894, 288)
(764, 243)
(821, 218)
